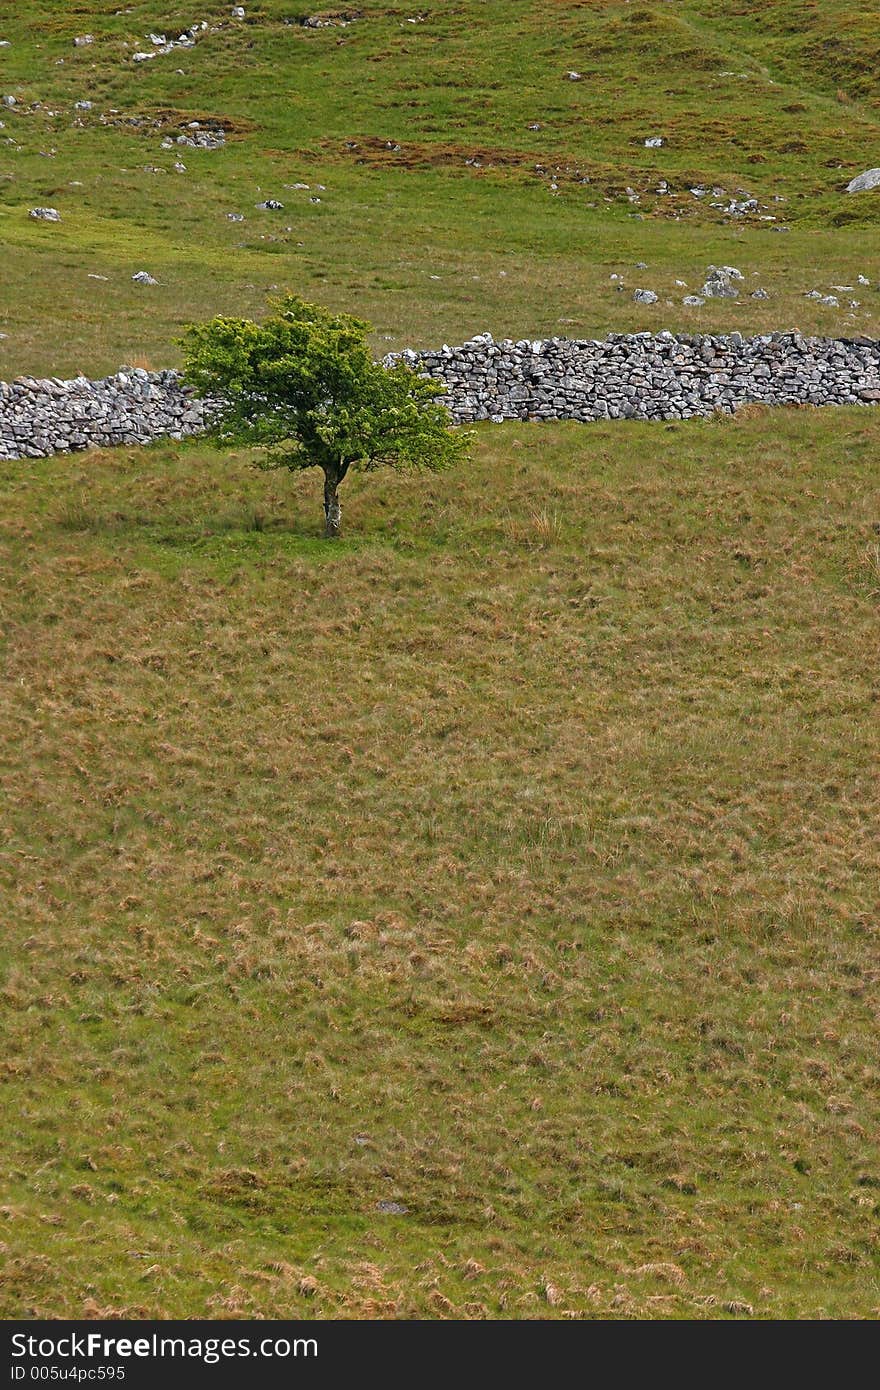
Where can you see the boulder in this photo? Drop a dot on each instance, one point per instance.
(863, 183)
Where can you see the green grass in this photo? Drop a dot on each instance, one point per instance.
(507, 252)
(514, 860)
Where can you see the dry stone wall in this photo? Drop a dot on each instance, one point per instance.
(647, 376)
(41, 416)
(640, 376)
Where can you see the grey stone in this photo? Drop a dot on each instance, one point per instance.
(863, 183)
(45, 214)
(721, 282)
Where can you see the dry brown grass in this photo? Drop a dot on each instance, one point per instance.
(516, 864)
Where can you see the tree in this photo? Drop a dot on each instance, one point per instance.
(304, 387)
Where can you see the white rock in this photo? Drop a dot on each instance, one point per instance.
(645, 297)
(83, 40)
(863, 183)
(45, 214)
(574, 76)
(654, 142)
(143, 277)
(693, 301)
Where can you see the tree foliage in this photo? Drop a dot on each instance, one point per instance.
(304, 387)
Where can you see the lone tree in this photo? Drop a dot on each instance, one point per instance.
(304, 386)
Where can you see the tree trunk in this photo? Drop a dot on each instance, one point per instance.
(332, 509)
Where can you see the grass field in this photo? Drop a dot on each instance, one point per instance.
(517, 865)
(477, 916)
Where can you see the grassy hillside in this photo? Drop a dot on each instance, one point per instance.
(475, 917)
(443, 211)
(514, 861)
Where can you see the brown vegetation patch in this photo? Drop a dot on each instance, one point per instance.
(600, 179)
(162, 119)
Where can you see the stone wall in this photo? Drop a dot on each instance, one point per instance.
(648, 376)
(625, 376)
(46, 416)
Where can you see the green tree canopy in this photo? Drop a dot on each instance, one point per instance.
(304, 386)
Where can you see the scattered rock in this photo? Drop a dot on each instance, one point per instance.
(82, 106)
(9, 101)
(45, 214)
(238, 12)
(654, 142)
(198, 139)
(271, 205)
(392, 1208)
(830, 300)
(760, 294)
(143, 277)
(863, 183)
(84, 40)
(574, 77)
(235, 216)
(162, 44)
(337, 20)
(693, 301)
(645, 297)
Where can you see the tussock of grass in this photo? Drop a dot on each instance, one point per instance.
(514, 861)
